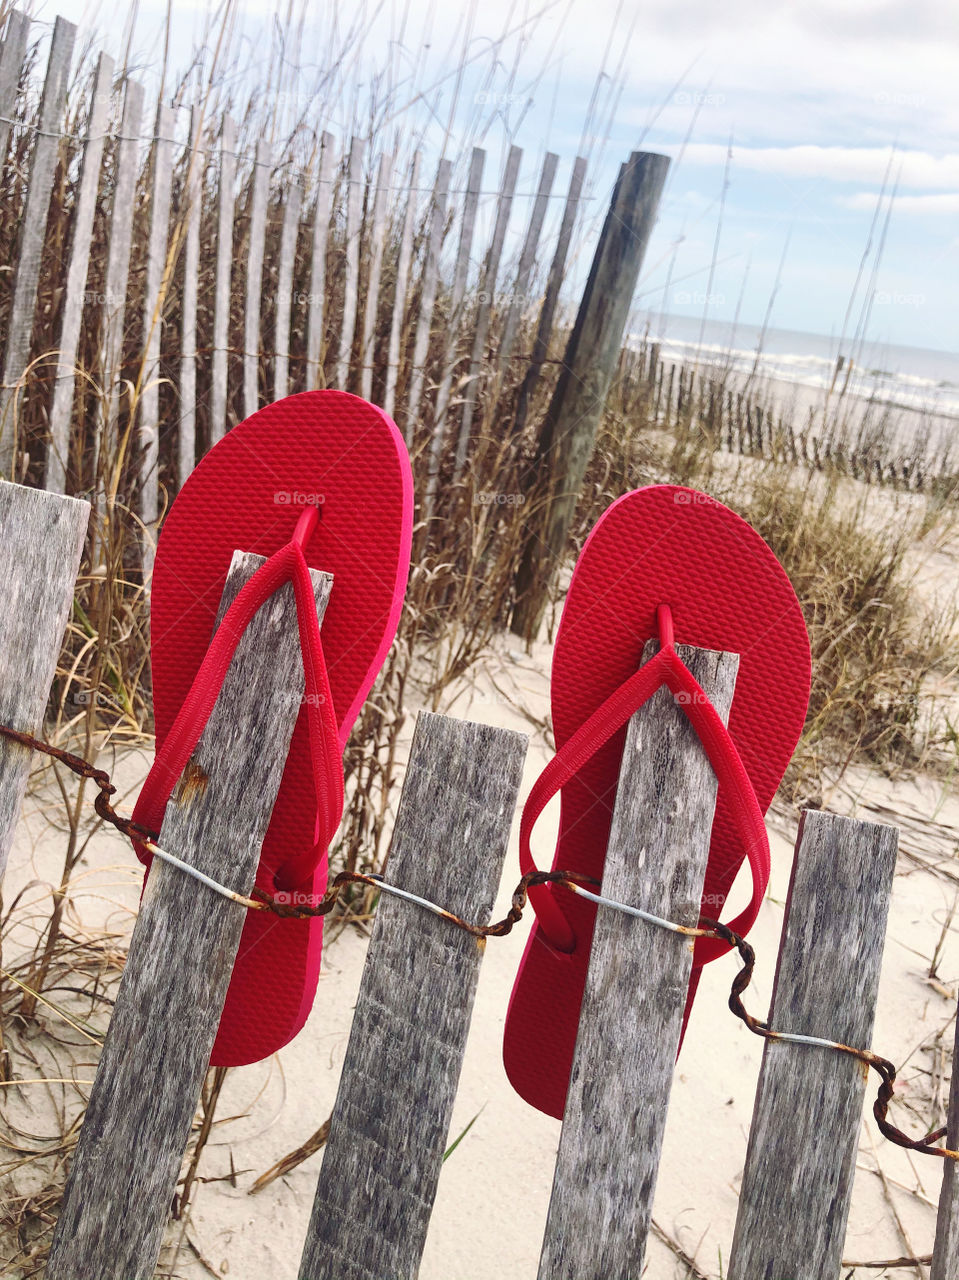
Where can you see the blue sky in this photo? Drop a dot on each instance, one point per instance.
(813, 98)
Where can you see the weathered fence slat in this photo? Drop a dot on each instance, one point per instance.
(450, 355)
(32, 233)
(12, 53)
(390, 1124)
(800, 1162)
(568, 433)
(120, 243)
(284, 288)
(157, 1049)
(41, 541)
(945, 1255)
(547, 315)
(403, 259)
(474, 183)
(186, 440)
(225, 207)
(431, 272)
(518, 299)
(316, 312)
(351, 286)
(61, 410)
(632, 1013)
(259, 197)
(153, 301)
(484, 311)
(377, 245)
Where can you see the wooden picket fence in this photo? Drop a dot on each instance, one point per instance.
(390, 1125)
(416, 342)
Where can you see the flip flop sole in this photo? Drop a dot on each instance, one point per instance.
(347, 457)
(727, 591)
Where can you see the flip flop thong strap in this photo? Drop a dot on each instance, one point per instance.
(665, 668)
(287, 564)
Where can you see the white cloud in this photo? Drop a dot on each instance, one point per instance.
(947, 202)
(837, 164)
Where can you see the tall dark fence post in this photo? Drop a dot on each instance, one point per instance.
(568, 433)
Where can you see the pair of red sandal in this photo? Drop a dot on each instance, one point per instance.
(322, 480)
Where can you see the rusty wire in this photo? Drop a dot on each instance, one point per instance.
(262, 901)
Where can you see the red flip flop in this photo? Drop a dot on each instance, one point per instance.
(671, 563)
(318, 480)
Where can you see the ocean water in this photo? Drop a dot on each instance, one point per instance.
(916, 378)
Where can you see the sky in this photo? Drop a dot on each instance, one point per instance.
(784, 121)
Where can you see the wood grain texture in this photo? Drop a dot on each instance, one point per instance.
(424, 321)
(557, 272)
(519, 301)
(945, 1255)
(378, 232)
(41, 540)
(12, 53)
(568, 433)
(450, 355)
(487, 294)
(800, 1161)
(284, 289)
(625, 1058)
(351, 285)
(390, 1124)
(316, 312)
(225, 208)
(119, 245)
(259, 201)
(158, 1046)
(186, 437)
(153, 304)
(403, 260)
(61, 410)
(33, 226)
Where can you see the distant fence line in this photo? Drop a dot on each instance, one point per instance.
(211, 291)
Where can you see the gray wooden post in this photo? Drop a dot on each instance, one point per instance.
(431, 273)
(547, 315)
(945, 1255)
(118, 267)
(518, 299)
(33, 228)
(153, 303)
(467, 227)
(184, 943)
(12, 53)
(569, 432)
(487, 295)
(321, 233)
(377, 245)
(225, 206)
(186, 441)
(390, 1124)
(41, 541)
(606, 1166)
(259, 197)
(403, 259)
(284, 288)
(354, 229)
(61, 410)
(800, 1162)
